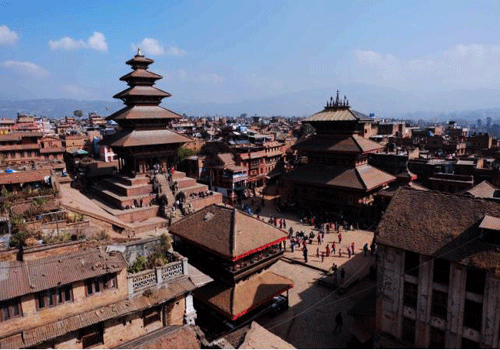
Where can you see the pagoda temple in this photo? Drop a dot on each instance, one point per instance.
(337, 173)
(146, 149)
(143, 141)
(236, 250)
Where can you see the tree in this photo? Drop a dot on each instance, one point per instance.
(78, 113)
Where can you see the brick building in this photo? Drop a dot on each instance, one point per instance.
(29, 147)
(86, 298)
(437, 268)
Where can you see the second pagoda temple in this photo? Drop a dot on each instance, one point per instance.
(143, 141)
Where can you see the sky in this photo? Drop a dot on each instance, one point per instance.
(232, 51)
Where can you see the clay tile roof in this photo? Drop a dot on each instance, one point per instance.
(142, 91)
(226, 231)
(143, 112)
(481, 190)
(332, 115)
(260, 338)
(128, 138)
(139, 59)
(364, 178)
(141, 73)
(20, 278)
(24, 176)
(439, 224)
(338, 144)
(236, 300)
(226, 158)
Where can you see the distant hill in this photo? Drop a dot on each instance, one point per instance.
(384, 102)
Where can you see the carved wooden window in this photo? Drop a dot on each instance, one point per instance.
(476, 280)
(408, 331)
(436, 338)
(441, 271)
(410, 293)
(439, 304)
(473, 314)
(98, 284)
(412, 262)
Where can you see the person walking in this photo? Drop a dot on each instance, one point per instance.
(284, 224)
(333, 248)
(327, 250)
(365, 249)
(339, 322)
(340, 238)
(340, 252)
(352, 248)
(304, 251)
(319, 240)
(349, 251)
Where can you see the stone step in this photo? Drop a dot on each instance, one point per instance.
(194, 189)
(121, 189)
(178, 174)
(129, 181)
(121, 201)
(185, 182)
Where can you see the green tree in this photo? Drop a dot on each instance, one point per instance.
(183, 153)
(78, 113)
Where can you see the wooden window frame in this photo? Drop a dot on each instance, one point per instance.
(52, 294)
(409, 299)
(152, 315)
(439, 308)
(86, 334)
(9, 305)
(103, 283)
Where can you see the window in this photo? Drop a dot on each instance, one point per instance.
(439, 304)
(476, 279)
(441, 271)
(98, 284)
(151, 316)
(408, 331)
(469, 344)
(10, 308)
(92, 336)
(54, 296)
(412, 261)
(410, 293)
(473, 314)
(437, 338)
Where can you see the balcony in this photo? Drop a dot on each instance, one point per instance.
(157, 277)
(235, 177)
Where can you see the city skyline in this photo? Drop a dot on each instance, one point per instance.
(221, 52)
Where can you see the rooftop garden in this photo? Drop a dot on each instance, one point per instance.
(159, 256)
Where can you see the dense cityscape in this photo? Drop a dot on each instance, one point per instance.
(136, 225)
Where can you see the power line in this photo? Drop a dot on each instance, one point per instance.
(366, 289)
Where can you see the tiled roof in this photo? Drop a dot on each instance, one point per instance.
(142, 91)
(21, 278)
(226, 231)
(338, 144)
(143, 112)
(236, 300)
(24, 176)
(363, 178)
(439, 224)
(40, 334)
(141, 73)
(490, 223)
(332, 115)
(226, 158)
(127, 138)
(260, 338)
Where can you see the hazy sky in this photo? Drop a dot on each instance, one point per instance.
(227, 51)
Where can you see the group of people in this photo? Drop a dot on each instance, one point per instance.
(277, 222)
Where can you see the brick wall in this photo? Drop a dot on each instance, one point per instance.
(81, 302)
